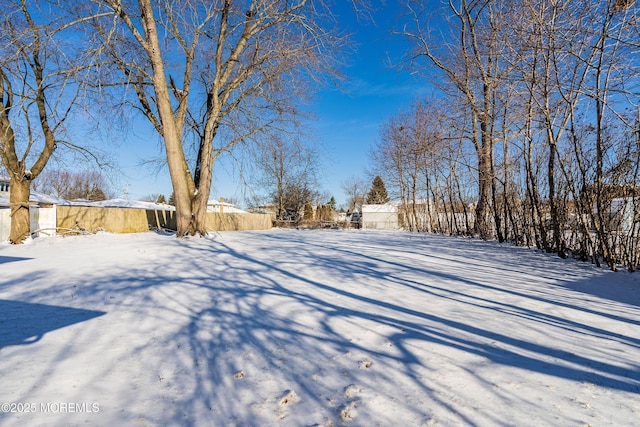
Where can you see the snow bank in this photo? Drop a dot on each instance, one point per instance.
(123, 203)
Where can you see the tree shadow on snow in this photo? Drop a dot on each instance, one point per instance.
(249, 323)
(7, 259)
(290, 312)
(26, 323)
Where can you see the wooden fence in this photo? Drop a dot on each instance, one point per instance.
(127, 220)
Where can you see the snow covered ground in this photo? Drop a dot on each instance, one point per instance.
(287, 327)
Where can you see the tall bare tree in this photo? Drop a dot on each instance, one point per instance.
(39, 91)
(551, 96)
(475, 65)
(213, 73)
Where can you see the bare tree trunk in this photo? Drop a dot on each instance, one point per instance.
(601, 216)
(467, 225)
(19, 192)
(414, 200)
(485, 178)
(551, 164)
(494, 200)
(183, 186)
(509, 203)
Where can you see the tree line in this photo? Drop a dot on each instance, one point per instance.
(534, 134)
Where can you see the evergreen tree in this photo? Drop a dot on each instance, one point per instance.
(161, 199)
(332, 203)
(378, 193)
(172, 200)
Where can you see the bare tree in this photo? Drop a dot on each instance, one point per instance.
(551, 97)
(287, 170)
(572, 60)
(475, 66)
(356, 190)
(88, 185)
(39, 92)
(215, 73)
(408, 156)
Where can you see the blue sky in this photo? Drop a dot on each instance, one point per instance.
(347, 121)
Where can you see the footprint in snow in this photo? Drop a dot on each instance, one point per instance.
(349, 412)
(289, 397)
(352, 390)
(365, 364)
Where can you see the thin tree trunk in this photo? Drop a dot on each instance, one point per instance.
(494, 199)
(553, 211)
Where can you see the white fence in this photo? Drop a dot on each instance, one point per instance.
(43, 221)
(5, 224)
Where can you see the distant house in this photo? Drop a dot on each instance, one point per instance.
(624, 215)
(620, 206)
(223, 207)
(4, 187)
(268, 208)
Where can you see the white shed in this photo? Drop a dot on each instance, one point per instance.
(380, 217)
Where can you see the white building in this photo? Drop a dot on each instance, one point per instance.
(4, 187)
(223, 207)
(624, 214)
(380, 217)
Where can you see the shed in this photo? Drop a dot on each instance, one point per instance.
(380, 217)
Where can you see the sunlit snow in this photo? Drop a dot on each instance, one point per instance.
(301, 327)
